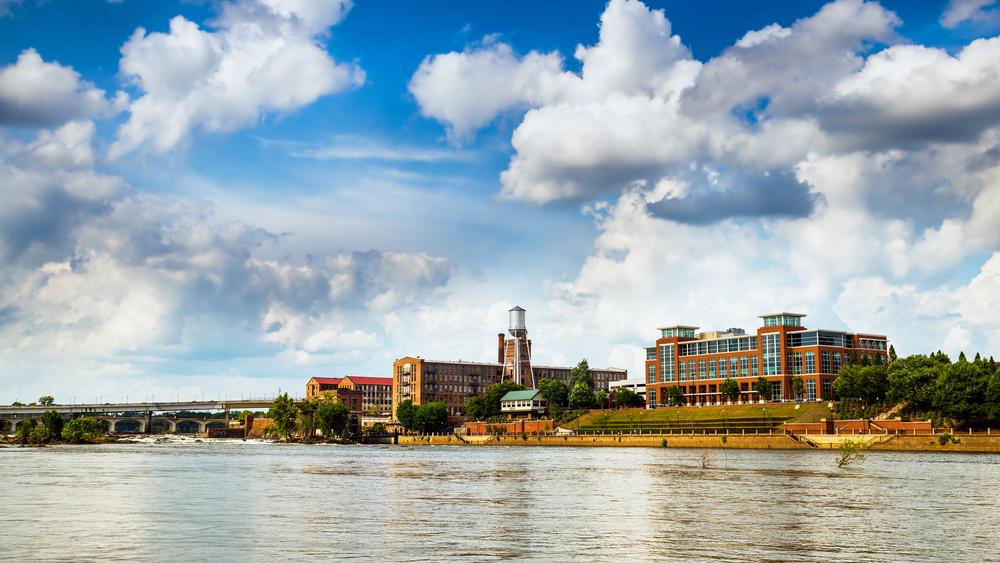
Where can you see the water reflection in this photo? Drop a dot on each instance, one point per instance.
(275, 502)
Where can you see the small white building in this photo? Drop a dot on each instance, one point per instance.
(638, 386)
(523, 403)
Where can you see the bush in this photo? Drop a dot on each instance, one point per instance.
(80, 430)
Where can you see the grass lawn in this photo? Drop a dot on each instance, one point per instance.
(810, 412)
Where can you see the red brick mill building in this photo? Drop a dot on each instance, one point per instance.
(781, 349)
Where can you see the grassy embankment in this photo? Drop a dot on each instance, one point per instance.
(729, 418)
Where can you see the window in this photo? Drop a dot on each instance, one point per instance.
(797, 363)
(827, 366)
(701, 369)
(775, 391)
(810, 362)
(652, 374)
(651, 353)
(744, 362)
(682, 369)
(753, 366)
(810, 390)
(772, 353)
(827, 390)
(732, 366)
(836, 362)
(722, 367)
(711, 369)
(667, 362)
(692, 370)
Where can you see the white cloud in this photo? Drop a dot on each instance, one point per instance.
(959, 11)
(38, 93)
(264, 56)
(92, 270)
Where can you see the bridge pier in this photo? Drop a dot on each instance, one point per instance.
(147, 426)
(202, 426)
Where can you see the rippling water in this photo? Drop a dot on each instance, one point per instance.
(243, 501)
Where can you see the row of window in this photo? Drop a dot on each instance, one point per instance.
(734, 366)
(716, 346)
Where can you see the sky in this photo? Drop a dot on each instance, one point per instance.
(225, 198)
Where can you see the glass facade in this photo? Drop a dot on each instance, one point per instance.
(810, 390)
(810, 362)
(744, 363)
(701, 369)
(667, 362)
(827, 390)
(775, 391)
(827, 364)
(682, 373)
(753, 366)
(836, 362)
(651, 376)
(796, 363)
(771, 353)
(783, 320)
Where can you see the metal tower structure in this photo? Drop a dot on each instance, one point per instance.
(515, 352)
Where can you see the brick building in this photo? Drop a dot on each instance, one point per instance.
(376, 392)
(454, 382)
(780, 350)
(317, 385)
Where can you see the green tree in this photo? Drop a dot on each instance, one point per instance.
(431, 417)
(625, 397)
(24, 430)
(601, 399)
(961, 390)
(892, 353)
(52, 423)
(83, 429)
(475, 408)
(307, 420)
(46, 400)
(405, 414)
(283, 412)
(798, 388)
(730, 389)
(554, 391)
(332, 418)
(581, 374)
(763, 388)
(913, 380)
(674, 395)
(581, 397)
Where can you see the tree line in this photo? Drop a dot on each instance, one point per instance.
(963, 390)
(330, 417)
(425, 418)
(53, 429)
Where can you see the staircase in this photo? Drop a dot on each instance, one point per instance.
(801, 439)
(889, 414)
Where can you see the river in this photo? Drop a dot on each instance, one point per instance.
(232, 501)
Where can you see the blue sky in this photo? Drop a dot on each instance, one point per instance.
(252, 192)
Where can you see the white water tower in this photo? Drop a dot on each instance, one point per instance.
(516, 351)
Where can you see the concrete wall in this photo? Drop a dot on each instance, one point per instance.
(976, 443)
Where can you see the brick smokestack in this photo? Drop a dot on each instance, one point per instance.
(501, 349)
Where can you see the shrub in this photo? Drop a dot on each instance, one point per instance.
(82, 430)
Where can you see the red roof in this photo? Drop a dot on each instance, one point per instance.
(328, 380)
(368, 380)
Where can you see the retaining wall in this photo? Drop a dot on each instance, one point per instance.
(980, 444)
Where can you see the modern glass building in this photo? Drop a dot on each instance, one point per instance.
(780, 350)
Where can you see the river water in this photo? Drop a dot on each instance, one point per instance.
(231, 501)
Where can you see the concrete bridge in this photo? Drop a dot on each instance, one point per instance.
(134, 417)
